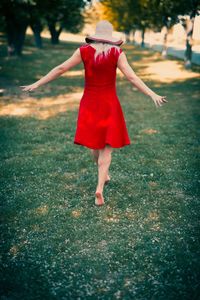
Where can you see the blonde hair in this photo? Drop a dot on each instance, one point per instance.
(103, 48)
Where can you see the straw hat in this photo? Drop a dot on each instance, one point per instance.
(103, 33)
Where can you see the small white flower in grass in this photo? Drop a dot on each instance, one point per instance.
(118, 294)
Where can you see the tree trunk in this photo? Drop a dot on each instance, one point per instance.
(15, 35)
(37, 29)
(164, 47)
(189, 32)
(143, 34)
(19, 42)
(54, 34)
(133, 36)
(127, 35)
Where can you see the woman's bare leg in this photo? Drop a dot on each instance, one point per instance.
(95, 155)
(104, 162)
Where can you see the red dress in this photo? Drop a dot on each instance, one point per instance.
(100, 118)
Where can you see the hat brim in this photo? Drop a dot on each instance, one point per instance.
(113, 41)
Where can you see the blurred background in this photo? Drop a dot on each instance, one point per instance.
(172, 27)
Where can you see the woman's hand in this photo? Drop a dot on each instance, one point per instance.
(158, 100)
(29, 88)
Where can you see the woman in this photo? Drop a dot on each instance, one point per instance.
(100, 124)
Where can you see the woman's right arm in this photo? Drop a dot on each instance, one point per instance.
(57, 71)
(126, 69)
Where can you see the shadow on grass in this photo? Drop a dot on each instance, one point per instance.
(23, 280)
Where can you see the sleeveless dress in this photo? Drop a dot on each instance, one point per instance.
(100, 118)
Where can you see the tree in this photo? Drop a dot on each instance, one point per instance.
(37, 20)
(17, 15)
(154, 14)
(117, 12)
(188, 24)
(64, 14)
(168, 11)
(131, 15)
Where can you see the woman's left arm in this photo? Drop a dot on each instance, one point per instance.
(74, 60)
(126, 69)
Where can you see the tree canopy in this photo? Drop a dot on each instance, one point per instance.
(17, 15)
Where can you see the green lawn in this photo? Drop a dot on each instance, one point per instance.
(56, 244)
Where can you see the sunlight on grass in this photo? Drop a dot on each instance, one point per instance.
(127, 282)
(168, 71)
(153, 215)
(27, 51)
(153, 183)
(155, 227)
(149, 131)
(130, 215)
(35, 227)
(113, 218)
(14, 250)
(42, 109)
(43, 210)
(76, 213)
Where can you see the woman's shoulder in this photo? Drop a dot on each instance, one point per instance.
(84, 50)
(117, 51)
(83, 46)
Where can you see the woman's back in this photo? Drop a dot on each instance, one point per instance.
(99, 71)
(100, 117)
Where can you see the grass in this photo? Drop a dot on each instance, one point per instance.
(56, 244)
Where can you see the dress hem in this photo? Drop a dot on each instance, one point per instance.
(107, 143)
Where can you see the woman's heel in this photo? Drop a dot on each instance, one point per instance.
(99, 200)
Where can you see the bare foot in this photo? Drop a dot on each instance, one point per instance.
(99, 200)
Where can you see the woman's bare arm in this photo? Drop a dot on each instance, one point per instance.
(126, 69)
(74, 60)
